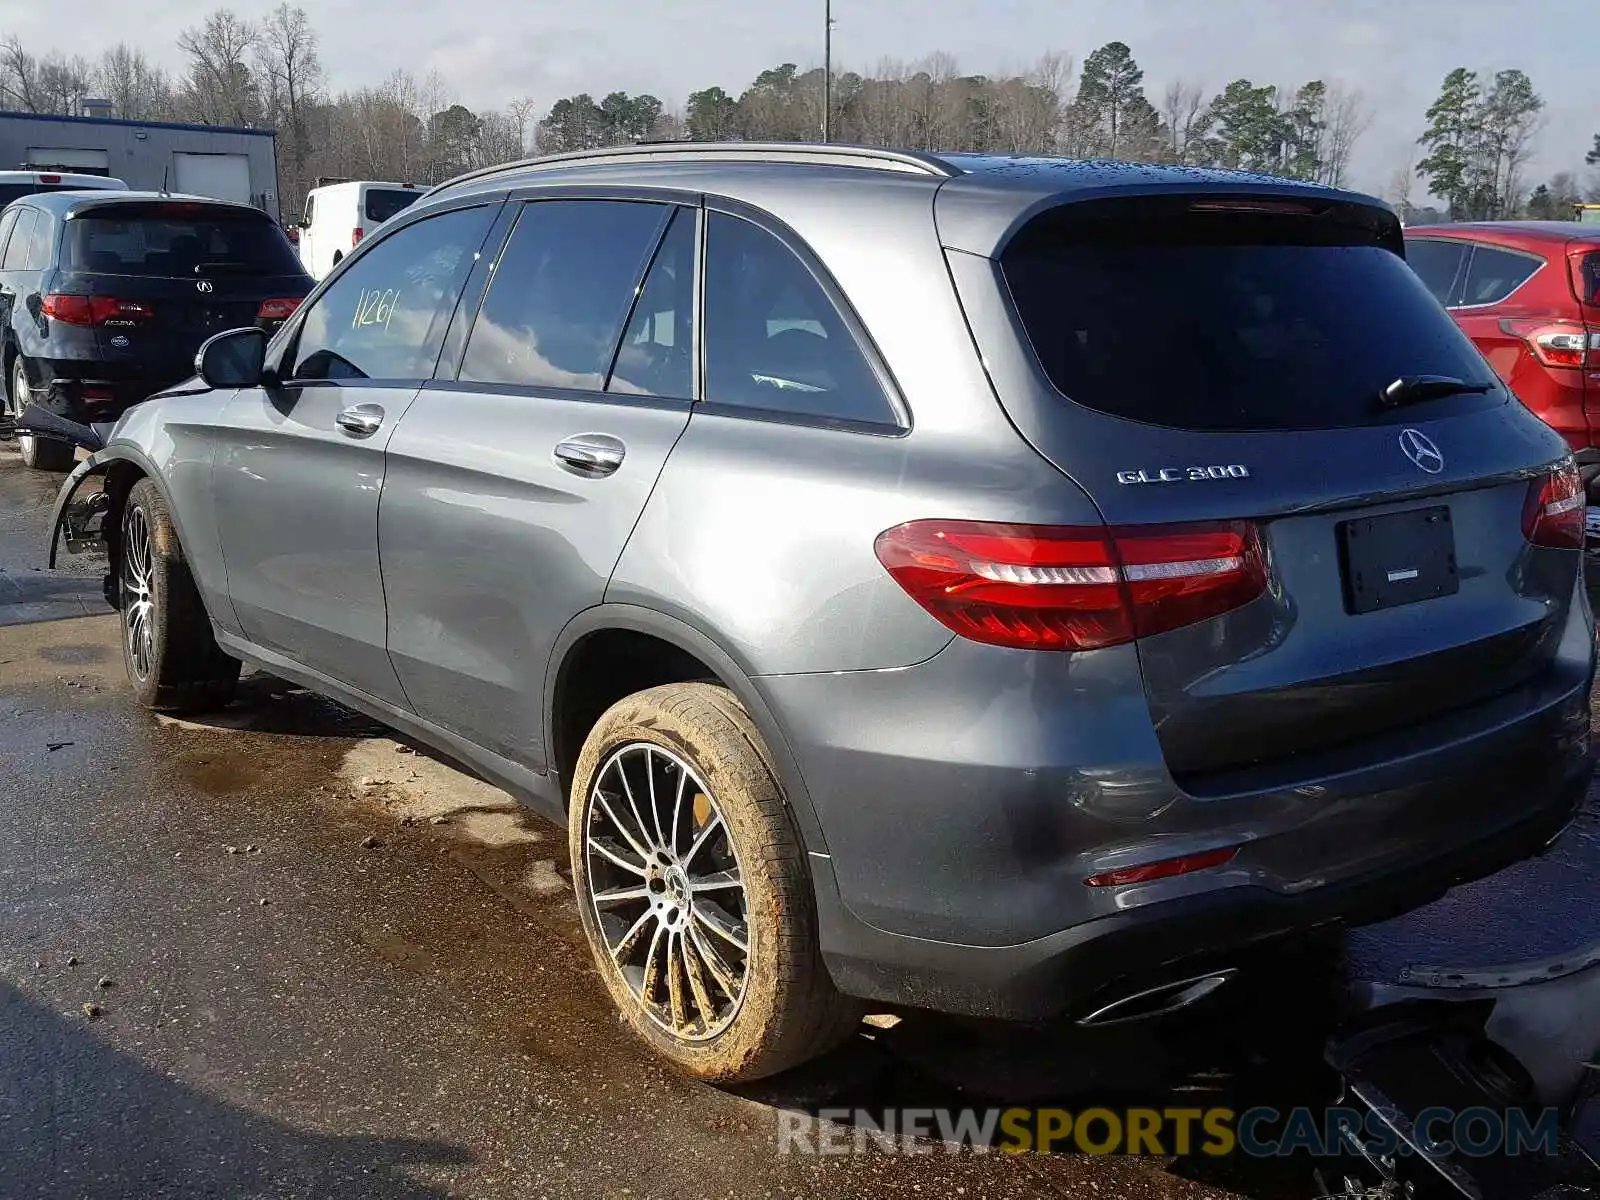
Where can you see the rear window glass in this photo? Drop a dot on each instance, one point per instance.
(1232, 321)
(16, 191)
(115, 241)
(383, 203)
(1589, 278)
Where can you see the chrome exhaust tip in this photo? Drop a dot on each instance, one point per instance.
(1158, 1001)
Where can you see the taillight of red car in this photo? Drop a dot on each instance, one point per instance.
(1068, 587)
(1553, 515)
(1564, 345)
(90, 311)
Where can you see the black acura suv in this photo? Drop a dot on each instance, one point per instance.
(106, 296)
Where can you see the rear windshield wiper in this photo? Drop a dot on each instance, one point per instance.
(1413, 389)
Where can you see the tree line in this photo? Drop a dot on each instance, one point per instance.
(1473, 152)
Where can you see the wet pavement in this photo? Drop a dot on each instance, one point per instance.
(323, 963)
(27, 591)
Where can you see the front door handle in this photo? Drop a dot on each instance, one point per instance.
(360, 420)
(592, 455)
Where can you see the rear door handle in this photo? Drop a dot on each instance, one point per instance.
(592, 455)
(360, 420)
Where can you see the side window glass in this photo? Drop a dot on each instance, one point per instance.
(385, 317)
(1436, 263)
(657, 353)
(16, 257)
(8, 221)
(561, 292)
(1493, 274)
(774, 340)
(39, 255)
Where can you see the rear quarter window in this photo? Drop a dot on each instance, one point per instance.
(1587, 277)
(1230, 321)
(383, 203)
(1493, 273)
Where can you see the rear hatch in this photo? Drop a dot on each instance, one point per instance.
(156, 279)
(1232, 364)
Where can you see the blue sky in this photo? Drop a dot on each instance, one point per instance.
(1396, 51)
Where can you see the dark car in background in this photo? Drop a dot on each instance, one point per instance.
(106, 296)
(1528, 293)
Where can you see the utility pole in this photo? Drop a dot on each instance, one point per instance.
(827, 70)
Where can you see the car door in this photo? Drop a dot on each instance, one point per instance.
(300, 468)
(515, 479)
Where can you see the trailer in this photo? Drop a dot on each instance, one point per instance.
(222, 162)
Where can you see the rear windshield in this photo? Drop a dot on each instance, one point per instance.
(383, 203)
(171, 242)
(1231, 321)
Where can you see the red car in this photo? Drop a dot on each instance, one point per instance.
(1528, 293)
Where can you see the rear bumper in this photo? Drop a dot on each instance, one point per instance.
(91, 391)
(1075, 970)
(965, 801)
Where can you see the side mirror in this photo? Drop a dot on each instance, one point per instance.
(233, 359)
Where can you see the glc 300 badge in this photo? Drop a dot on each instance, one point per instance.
(1185, 474)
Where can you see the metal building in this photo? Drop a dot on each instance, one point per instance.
(205, 160)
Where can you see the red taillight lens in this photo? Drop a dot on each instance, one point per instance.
(356, 235)
(1554, 513)
(1055, 587)
(277, 310)
(49, 179)
(94, 310)
(1567, 344)
(1166, 868)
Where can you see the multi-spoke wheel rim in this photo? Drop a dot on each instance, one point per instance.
(138, 592)
(20, 395)
(666, 890)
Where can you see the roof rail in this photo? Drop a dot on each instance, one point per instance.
(806, 153)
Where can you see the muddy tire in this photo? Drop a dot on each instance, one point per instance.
(694, 891)
(39, 454)
(174, 663)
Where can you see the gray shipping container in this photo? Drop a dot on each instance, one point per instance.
(207, 160)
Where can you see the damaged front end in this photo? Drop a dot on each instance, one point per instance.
(1481, 1077)
(79, 513)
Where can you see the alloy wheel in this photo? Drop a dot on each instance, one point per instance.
(20, 394)
(138, 592)
(667, 891)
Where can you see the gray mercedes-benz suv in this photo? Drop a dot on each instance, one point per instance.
(1004, 586)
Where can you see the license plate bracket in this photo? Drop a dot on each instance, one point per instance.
(1396, 559)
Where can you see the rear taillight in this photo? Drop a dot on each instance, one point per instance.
(356, 235)
(49, 179)
(1568, 344)
(1553, 515)
(277, 310)
(1064, 587)
(94, 310)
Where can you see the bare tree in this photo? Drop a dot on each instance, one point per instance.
(220, 88)
(137, 90)
(19, 76)
(291, 72)
(1182, 108)
(1348, 116)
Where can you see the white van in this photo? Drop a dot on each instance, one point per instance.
(339, 215)
(16, 184)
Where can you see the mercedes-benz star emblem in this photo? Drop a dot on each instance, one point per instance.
(1419, 448)
(205, 285)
